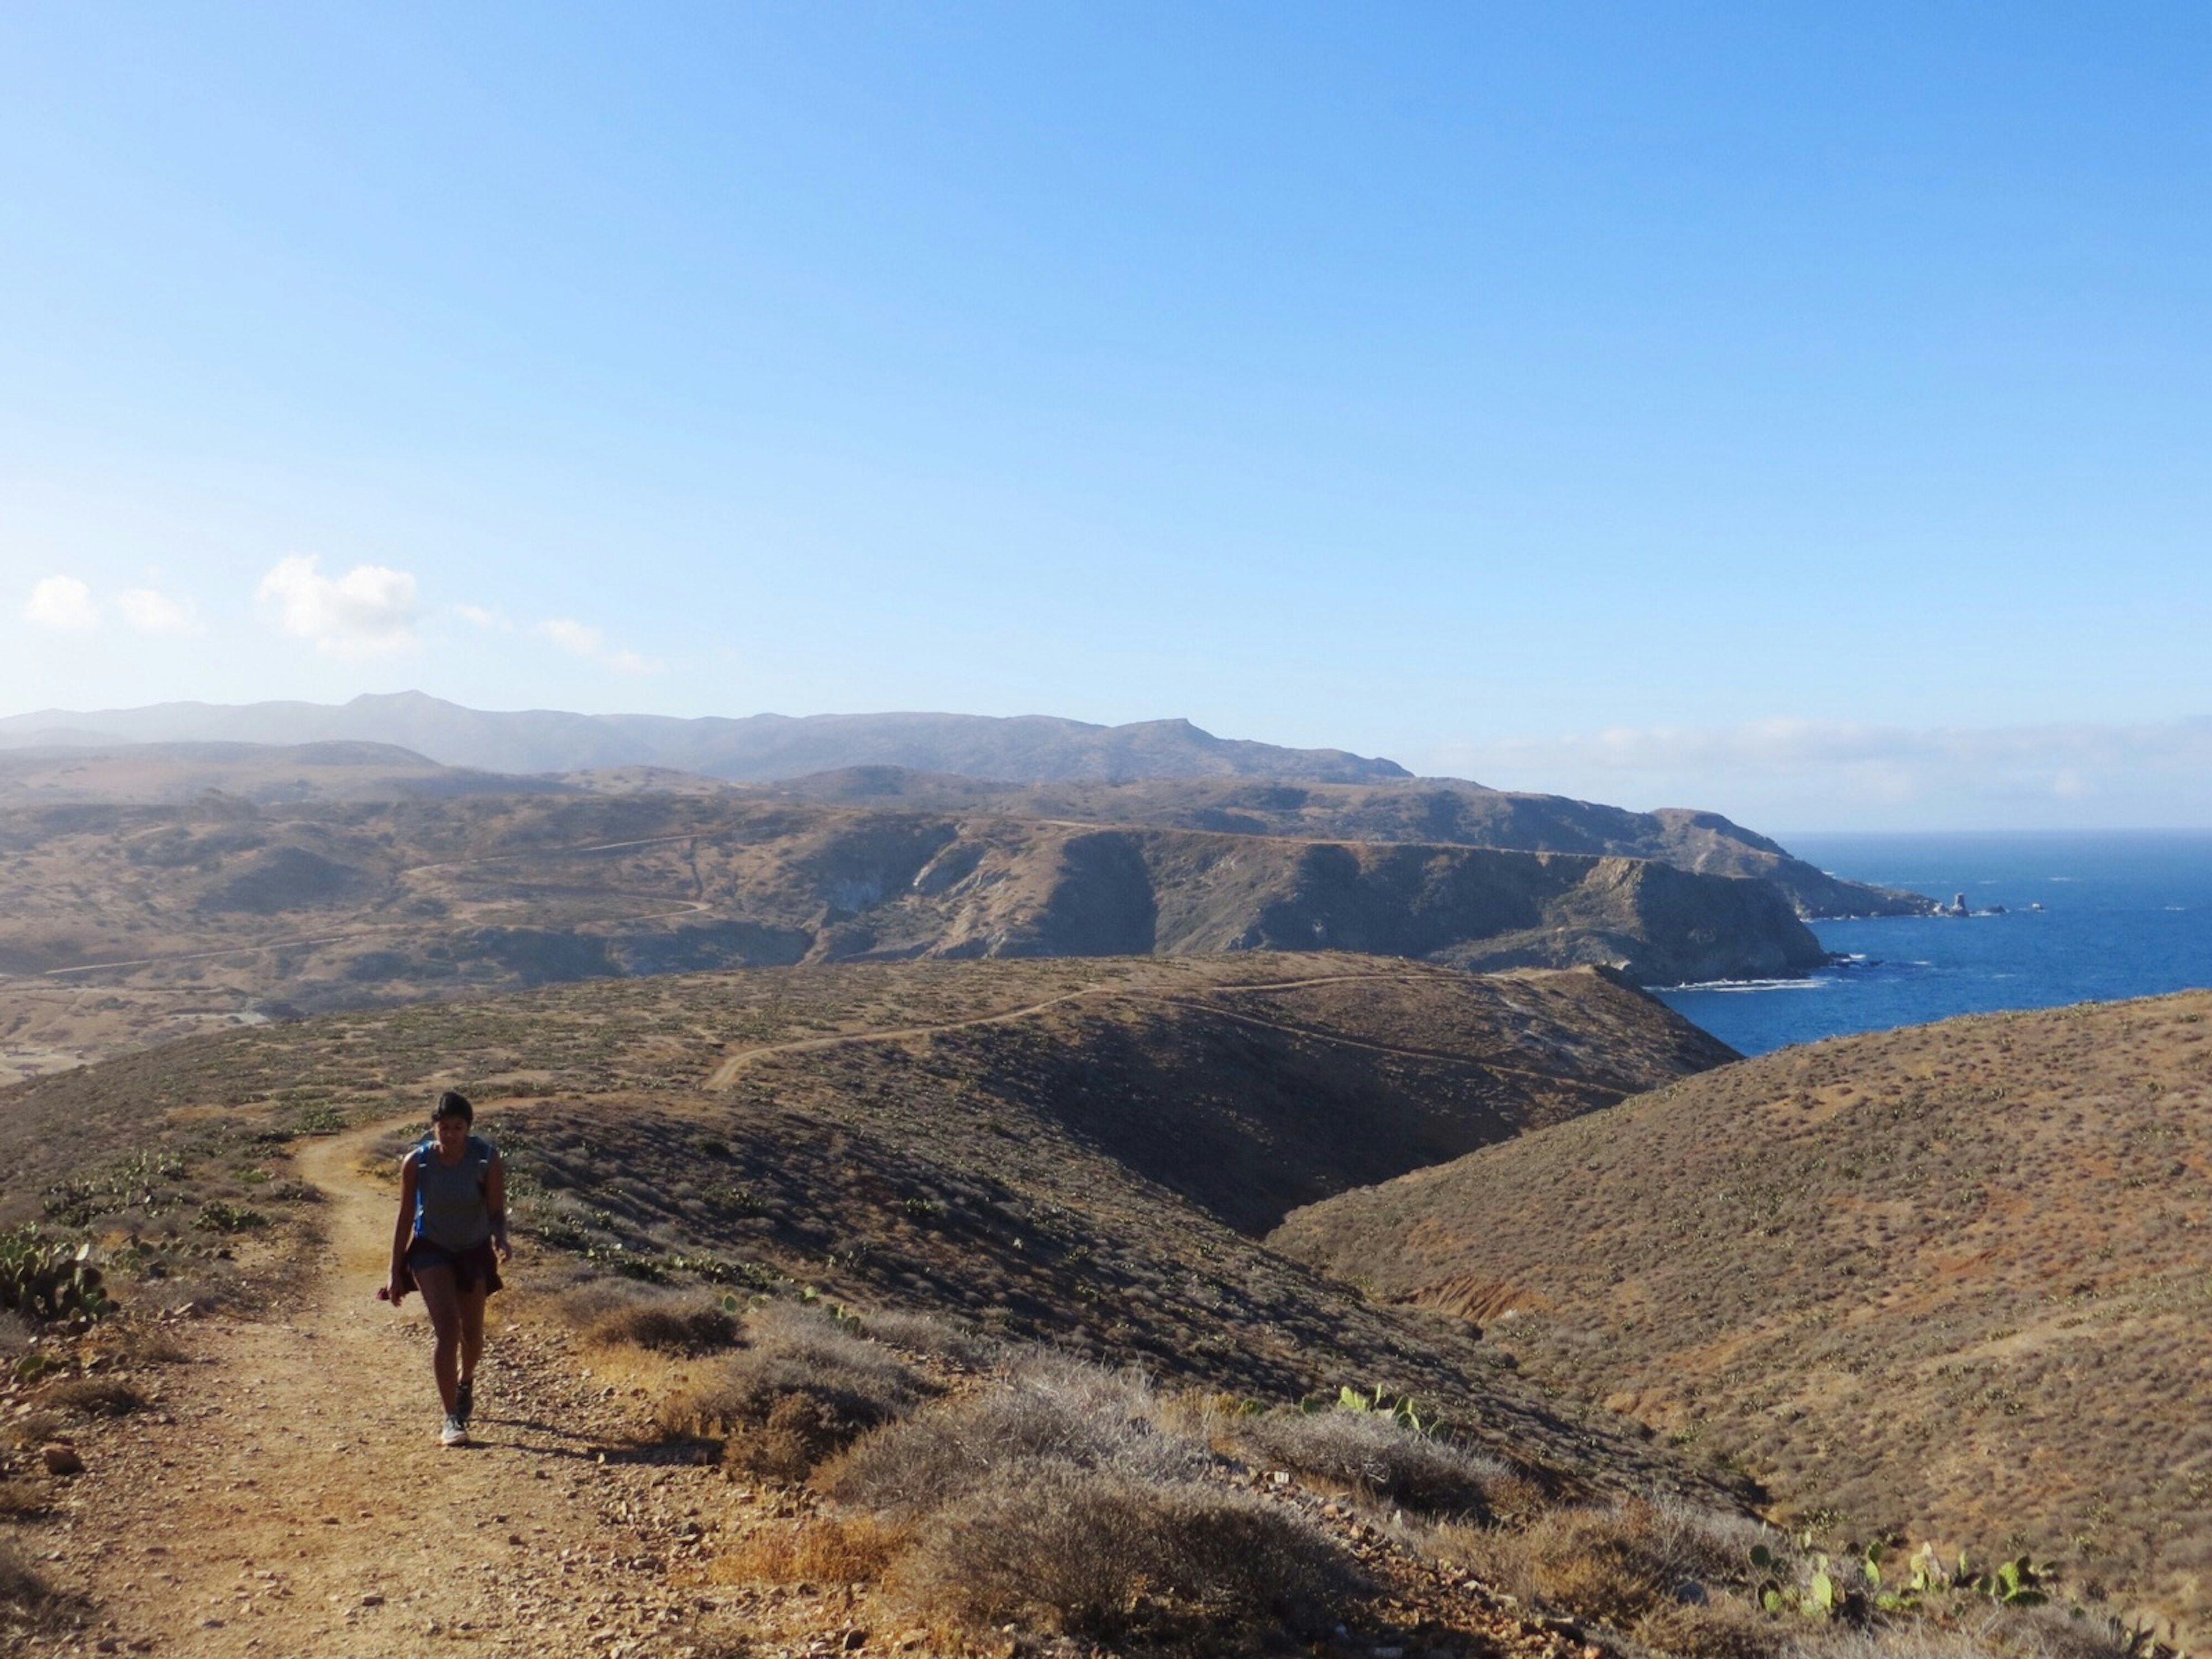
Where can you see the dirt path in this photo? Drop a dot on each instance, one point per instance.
(725, 1074)
(288, 1495)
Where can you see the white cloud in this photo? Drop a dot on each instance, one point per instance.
(1842, 773)
(2074, 752)
(63, 602)
(370, 611)
(491, 621)
(582, 639)
(150, 613)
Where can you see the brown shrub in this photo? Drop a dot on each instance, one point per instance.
(838, 1550)
(95, 1397)
(1720, 1629)
(935, 1336)
(1048, 1409)
(1096, 1553)
(1618, 1564)
(21, 1498)
(801, 1388)
(1373, 1454)
(22, 1588)
(2045, 1632)
(31, 1428)
(667, 1328)
(143, 1345)
(624, 1311)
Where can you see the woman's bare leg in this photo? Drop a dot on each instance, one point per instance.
(472, 1316)
(442, 1301)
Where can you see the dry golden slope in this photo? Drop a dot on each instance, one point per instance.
(1951, 1279)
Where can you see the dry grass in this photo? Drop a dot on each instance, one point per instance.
(611, 1310)
(1374, 1455)
(1984, 1632)
(1096, 1553)
(936, 1336)
(1064, 1497)
(1046, 1410)
(1076, 1176)
(851, 1549)
(136, 1344)
(34, 1428)
(21, 1498)
(24, 1591)
(800, 1390)
(95, 1396)
(1621, 1564)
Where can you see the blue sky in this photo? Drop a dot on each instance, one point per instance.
(1802, 415)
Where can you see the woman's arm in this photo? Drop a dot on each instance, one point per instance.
(496, 1205)
(403, 1228)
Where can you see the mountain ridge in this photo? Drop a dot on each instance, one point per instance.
(1165, 774)
(751, 749)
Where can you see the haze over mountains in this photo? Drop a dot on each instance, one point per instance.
(761, 747)
(1165, 774)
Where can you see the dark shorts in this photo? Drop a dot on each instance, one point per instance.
(474, 1267)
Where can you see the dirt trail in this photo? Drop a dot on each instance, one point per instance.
(288, 1495)
(725, 1074)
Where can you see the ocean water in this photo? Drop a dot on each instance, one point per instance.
(2124, 915)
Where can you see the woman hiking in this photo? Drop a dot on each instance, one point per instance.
(453, 1218)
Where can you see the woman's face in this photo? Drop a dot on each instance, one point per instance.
(452, 1136)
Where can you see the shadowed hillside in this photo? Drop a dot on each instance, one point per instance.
(1949, 1279)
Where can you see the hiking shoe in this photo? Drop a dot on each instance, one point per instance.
(464, 1403)
(453, 1434)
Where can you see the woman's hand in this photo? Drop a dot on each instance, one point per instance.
(395, 1289)
(505, 1251)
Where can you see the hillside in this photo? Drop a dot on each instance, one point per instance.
(119, 923)
(1081, 1151)
(1947, 1280)
(760, 746)
(876, 1310)
(1442, 811)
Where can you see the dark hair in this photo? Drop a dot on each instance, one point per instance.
(453, 1104)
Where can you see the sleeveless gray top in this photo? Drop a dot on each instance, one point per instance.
(449, 1198)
